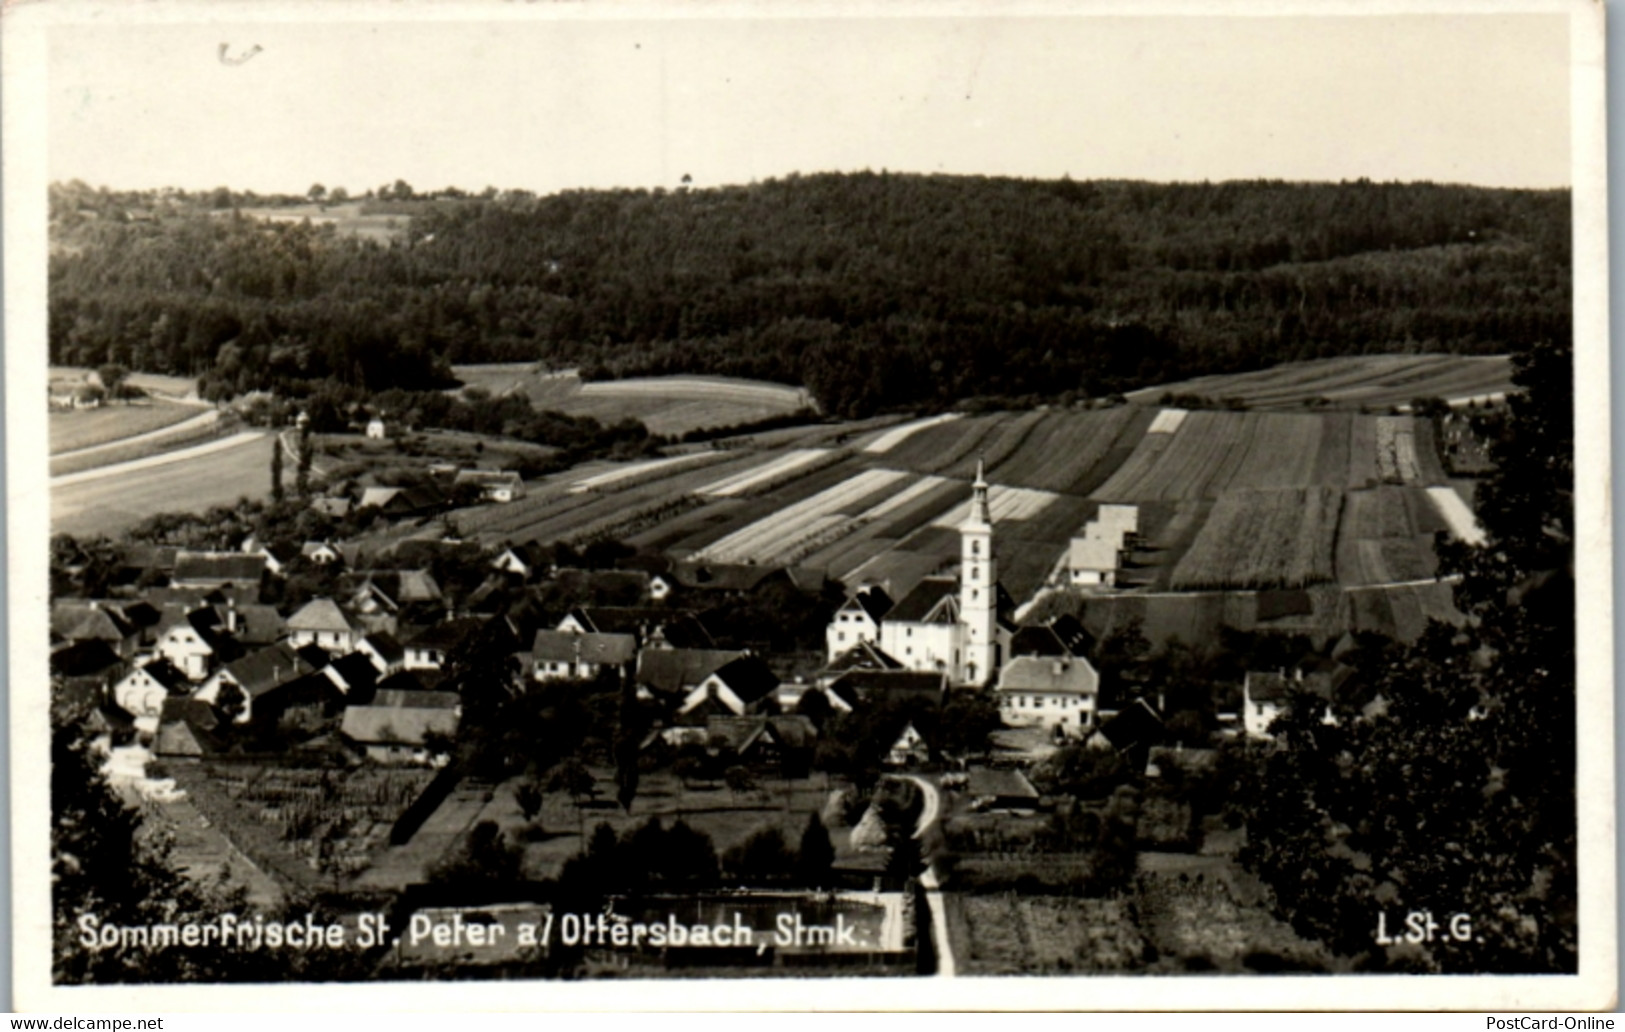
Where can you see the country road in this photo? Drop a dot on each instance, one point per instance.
(930, 814)
(211, 415)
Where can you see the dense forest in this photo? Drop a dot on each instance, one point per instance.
(874, 290)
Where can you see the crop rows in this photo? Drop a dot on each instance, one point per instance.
(939, 448)
(770, 474)
(1073, 452)
(1264, 539)
(1004, 504)
(1214, 452)
(1373, 380)
(1396, 451)
(697, 387)
(898, 434)
(802, 527)
(635, 473)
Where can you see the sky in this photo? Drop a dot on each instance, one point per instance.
(551, 104)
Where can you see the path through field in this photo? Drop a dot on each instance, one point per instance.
(193, 480)
(202, 419)
(162, 459)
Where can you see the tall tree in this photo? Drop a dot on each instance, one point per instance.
(277, 491)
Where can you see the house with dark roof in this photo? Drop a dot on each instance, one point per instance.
(786, 742)
(87, 669)
(74, 620)
(733, 689)
(212, 569)
(416, 699)
(321, 622)
(865, 655)
(256, 676)
(195, 640)
(391, 591)
(992, 789)
(427, 648)
(1134, 730)
(400, 734)
(353, 675)
(255, 625)
(562, 655)
(651, 625)
(857, 688)
(1063, 636)
(1267, 694)
(186, 729)
(142, 691)
(671, 675)
(387, 654)
(857, 621)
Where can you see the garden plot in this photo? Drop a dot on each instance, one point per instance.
(1396, 450)
(767, 474)
(1018, 933)
(897, 435)
(1264, 539)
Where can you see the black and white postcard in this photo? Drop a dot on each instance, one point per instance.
(1002, 506)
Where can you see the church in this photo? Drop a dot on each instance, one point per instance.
(958, 626)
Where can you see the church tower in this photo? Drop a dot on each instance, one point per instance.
(978, 589)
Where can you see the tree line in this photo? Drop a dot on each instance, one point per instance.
(875, 291)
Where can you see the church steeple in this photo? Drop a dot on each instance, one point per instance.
(978, 587)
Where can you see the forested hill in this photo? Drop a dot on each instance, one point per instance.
(874, 290)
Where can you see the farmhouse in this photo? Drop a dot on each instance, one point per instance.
(400, 734)
(321, 622)
(1055, 693)
(428, 648)
(322, 553)
(141, 692)
(75, 621)
(1266, 695)
(186, 729)
(255, 676)
(858, 620)
(389, 591)
(388, 655)
(735, 688)
(562, 655)
(1095, 557)
(194, 640)
(376, 429)
(493, 485)
(672, 674)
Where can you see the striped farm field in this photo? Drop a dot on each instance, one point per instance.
(898, 434)
(71, 431)
(1386, 536)
(784, 537)
(1463, 524)
(632, 473)
(1264, 539)
(1074, 452)
(1376, 381)
(772, 471)
(1214, 452)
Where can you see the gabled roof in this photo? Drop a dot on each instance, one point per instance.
(736, 734)
(218, 567)
(865, 655)
(1037, 641)
(310, 548)
(873, 600)
(747, 677)
(984, 782)
(673, 671)
(321, 614)
(85, 659)
(489, 478)
(678, 628)
(397, 587)
(1276, 686)
(1137, 724)
(284, 552)
(150, 557)
(335, 507)
(168, 675)
(85, 621)
(397, 725)
(933, 600)
(192, 711)
(447, 635)
(1051, 674)
(857, 686)
(355, 670)
(261, 671)
(1071, 632)
(259, 624)
(600, 649)
(388, 649)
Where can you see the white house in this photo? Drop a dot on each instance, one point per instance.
(376, 429)
(1266, 695)
(321, 622)
(142, 691)
(563, 655)
(190, 643)
(730, 690)
(1050, 692)
(858, 620)
(494, 485)
(1096, 557)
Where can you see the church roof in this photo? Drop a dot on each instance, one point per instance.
(933, 600)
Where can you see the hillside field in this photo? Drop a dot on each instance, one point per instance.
(667, 405)
(1373, 381)
(71, 431)
(114, 503)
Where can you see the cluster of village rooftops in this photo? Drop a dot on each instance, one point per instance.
(179, 662)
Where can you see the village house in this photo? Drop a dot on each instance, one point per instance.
(186, 729)
(652, 626)
(73, 621)
(400, 734)
(322, 553)
(388, 592)
(354, 676)
(1057, 693)
(735, 688)
(428, 647)
(142, 691)
(493, 485)
(195, 640)
(909, 748)
(1266, 695)
(564, 655)
(858, 620)
(377, 430)
(1095, 557)
(252, 678)
(322, 623)
(858, 688)
(671, 675)
(388, 656)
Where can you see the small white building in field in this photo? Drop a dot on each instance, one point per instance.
(377, 429)
(1096, 556)
(494, 485)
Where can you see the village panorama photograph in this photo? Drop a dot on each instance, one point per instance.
(688, 498)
